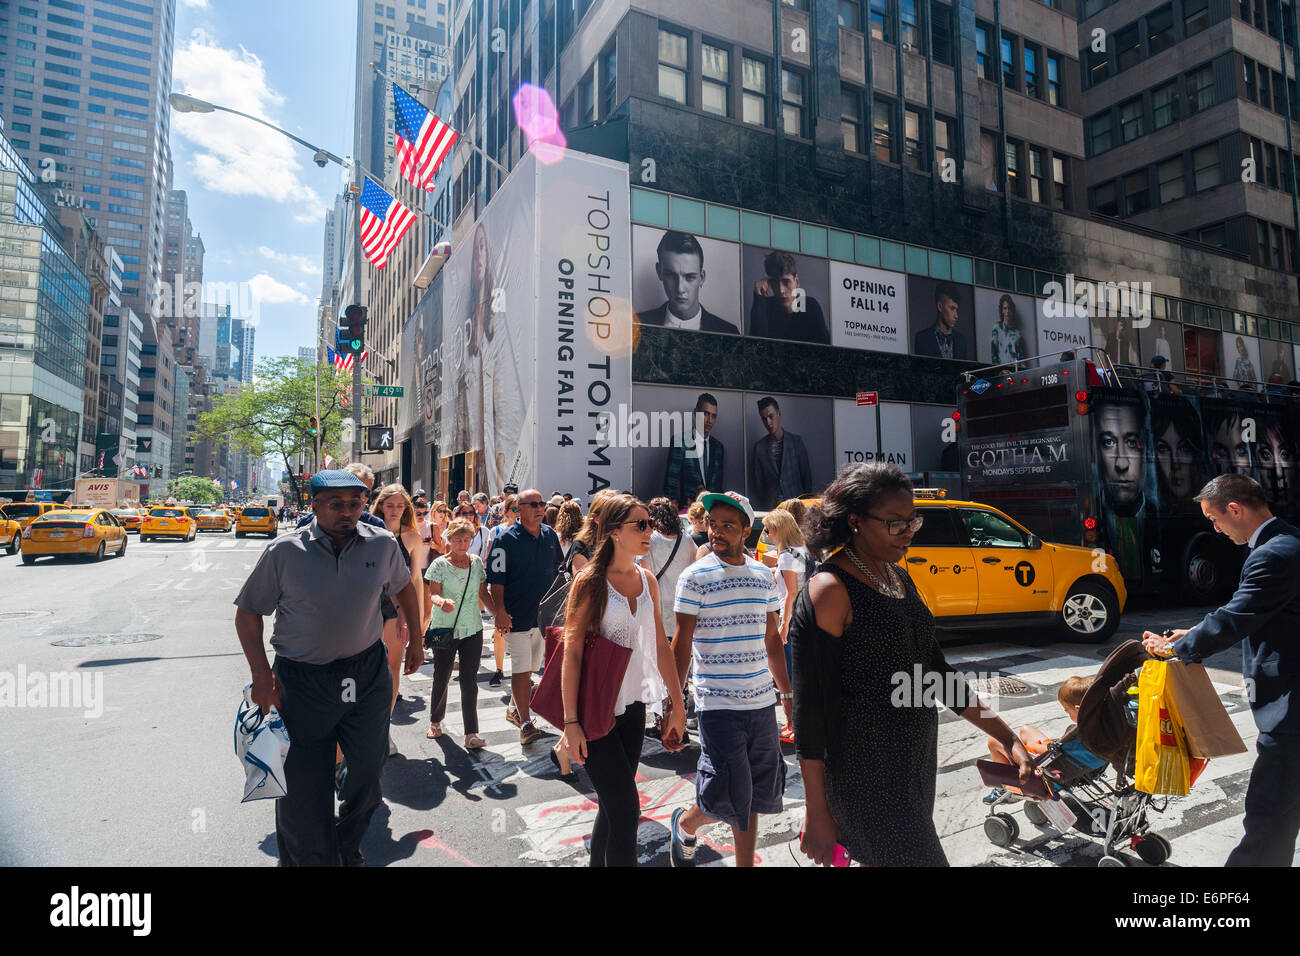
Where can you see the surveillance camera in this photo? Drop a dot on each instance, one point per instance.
(321, 159)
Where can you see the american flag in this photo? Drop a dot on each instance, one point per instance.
(384, 221)
(423, 140)
(343, 363)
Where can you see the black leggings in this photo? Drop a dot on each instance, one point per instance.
(611, 764)
(470, 650)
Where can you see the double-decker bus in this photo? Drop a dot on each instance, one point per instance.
(1085, 452)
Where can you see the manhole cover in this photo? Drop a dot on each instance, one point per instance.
(97, 640)
(1000, 687)
(21, 615)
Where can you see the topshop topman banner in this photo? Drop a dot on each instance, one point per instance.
(525, 338)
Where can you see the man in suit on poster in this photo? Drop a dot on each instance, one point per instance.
(680, 268)
(696, 465)
(1264, 617)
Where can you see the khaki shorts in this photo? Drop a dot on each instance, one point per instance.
(527, 650)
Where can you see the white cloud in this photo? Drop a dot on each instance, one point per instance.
(272, 291)
(234, 155)
(290, 259)
(195, 4)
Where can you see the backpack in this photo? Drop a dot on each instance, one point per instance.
(809, 569)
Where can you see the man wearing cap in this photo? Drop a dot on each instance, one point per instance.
(367, 477)
(330, 681)
(1161, 377)
(727, 611)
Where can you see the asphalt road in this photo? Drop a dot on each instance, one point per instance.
(142, 772)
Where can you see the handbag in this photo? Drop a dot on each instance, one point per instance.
(659, 575)
(443, 638)
(1162, 762)
(1210, 731)
(261, 744)
(604, 664)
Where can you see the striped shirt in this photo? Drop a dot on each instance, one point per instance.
(730, 604)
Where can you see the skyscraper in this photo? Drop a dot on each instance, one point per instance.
(86, 98)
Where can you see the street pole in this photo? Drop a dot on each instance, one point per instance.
(357, 297)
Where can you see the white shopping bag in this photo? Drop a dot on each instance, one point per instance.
(261, 744)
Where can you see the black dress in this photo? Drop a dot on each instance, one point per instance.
(861, 705)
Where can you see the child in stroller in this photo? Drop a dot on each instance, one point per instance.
(1104, 736)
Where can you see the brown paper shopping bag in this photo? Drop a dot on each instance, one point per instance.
(1209, 728)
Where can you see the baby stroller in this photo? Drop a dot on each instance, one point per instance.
(1108, 729)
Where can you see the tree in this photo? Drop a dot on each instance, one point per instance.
(201, 491)
(271, 415)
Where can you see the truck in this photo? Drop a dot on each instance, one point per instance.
(106, 492)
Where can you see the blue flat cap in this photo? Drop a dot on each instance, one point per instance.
(335, 478)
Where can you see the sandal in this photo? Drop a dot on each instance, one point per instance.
(434, 731)
(474, 742)
(787, 734)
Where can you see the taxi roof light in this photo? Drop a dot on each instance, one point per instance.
(929, 494)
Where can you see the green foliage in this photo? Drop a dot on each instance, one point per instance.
(201, 491)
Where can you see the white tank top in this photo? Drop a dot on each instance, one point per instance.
(642, 682)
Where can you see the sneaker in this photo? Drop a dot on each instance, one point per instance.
(512, 717)
(340, 776)
(994, 796)
(496, 679)
(681, 850)
(528, 733)
(392, 747)
(692, 723)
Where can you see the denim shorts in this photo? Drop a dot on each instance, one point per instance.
(741, 770)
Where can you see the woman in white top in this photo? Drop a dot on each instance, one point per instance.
(620, 599)
(792, 563)
(671, 553)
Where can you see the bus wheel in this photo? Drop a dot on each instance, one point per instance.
(1202, 580)
(1090, 613)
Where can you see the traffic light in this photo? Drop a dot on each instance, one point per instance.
(313, 426)
(351, 331)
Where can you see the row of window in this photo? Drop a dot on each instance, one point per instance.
(1264, 86)
(1145, 37)
(910, 17)
(1190, 172)
(1036, 71)
(1032, 172)
(913, 149)
(1161, 106)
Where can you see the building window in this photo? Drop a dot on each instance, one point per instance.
(715, 91)
(882, 20)
(1196, 16)
(1205, 167)
(1130, 120)
(673, 65)
(1261, 242)
(609, 80)
(1169, 174)
(1059, 196)
(1037, 174)
(1160, 29)
(1031, 71)
(1270, 166)
(945, 143)
(910, 26)
(1104, 202)
(753, 100)
(989, 161)
(1015, 186)
(941, 32)
(982, 52)
(850, 14)
(1137, 192)
(1099, 133)
(1128, 47)
(1200, 89)
(882, 130)
(1098, 64)
(1054, 92)
(916, 154)
(792, 103)
(1164, 105)
(851, 119)
(1008, 62)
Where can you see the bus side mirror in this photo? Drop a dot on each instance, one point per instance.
(1035, 542)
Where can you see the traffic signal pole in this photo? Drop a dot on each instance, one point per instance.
(359, 300)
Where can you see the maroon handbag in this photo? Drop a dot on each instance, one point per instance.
(604, 664)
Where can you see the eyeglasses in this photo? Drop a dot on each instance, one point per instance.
(532, 504)
(642, 524)
(900, 526)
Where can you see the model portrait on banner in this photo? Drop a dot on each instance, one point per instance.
(1127, 482)
(1004, 327)
(500, 399)
(1115, 335)
(1276, 365)
(1276, 454)
(1232, 444)
(1164, 339)
(680, 285)
(1179, 452)
(697, 460)
(778, 462)
(1241, 361)
(941, 318)
(783, 305)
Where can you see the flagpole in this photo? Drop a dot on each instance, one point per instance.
(459, 139)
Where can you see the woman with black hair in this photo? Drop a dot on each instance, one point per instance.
(1176, 441)
(867, 674)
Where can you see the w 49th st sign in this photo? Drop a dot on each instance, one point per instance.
(385, 391)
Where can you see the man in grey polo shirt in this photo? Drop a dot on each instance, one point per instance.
(330, 682)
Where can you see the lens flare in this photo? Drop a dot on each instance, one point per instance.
(540, 122)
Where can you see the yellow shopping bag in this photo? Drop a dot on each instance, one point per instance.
(1162, 765)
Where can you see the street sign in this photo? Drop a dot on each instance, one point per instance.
(379, 438)
(385, 391)
(868, 398)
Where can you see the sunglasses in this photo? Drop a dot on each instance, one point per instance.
(514, 511)
(641, 524)
(531, 504)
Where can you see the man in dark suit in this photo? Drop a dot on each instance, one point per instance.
(942, 340)
(680, 268)
(1264, 616)
(778, 463)
(695, 466)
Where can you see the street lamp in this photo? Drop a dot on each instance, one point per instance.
(184, 103)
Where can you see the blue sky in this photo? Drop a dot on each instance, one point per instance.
(256, 197)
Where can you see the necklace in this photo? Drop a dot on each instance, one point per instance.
(891, 588)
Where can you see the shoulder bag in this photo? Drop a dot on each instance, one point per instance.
(604, 664)
(660, 573)
(443, 638)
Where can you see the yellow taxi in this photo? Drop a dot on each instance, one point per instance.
(25, 512)
(214, 519)
(88, 533)
(977, 568)
(129, 518)
(167, 522)
(257, 520)
(11, 533)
